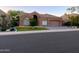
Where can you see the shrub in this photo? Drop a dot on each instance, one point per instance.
(33, 22)
(67, 24)
(24, 28)
(39, 28)
(29, 28)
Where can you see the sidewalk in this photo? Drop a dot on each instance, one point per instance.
(42, 31)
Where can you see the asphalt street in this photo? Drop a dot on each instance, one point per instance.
(50, 42)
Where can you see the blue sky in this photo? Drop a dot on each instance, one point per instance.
(54, 10)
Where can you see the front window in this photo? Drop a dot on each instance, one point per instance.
(44, 22)
(26, 21)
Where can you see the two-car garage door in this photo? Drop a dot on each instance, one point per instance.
(53, 23)
(50, 23)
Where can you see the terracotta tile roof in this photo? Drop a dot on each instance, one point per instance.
(51, 17)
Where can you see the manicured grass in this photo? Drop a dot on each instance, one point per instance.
(30, 28)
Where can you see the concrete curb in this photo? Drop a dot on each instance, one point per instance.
(42, 31)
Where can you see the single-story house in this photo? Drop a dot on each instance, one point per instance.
(42, 19)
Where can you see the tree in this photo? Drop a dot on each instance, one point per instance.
(14, 13)
(73, 19)
(15, 21)
(15, 17)
(4, 23)
(77, 20)
(71, 9)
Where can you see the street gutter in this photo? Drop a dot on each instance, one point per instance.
(41, 31)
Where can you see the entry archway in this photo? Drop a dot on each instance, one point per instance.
(36, 19)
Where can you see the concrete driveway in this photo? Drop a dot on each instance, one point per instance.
(59, 27)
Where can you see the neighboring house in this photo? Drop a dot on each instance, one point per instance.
(42, 19)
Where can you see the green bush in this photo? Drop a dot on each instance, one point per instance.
(39, 28)
(30, 28)
(67, 23)
(24, 28)
(33, 22)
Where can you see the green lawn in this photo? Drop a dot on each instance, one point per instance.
(30, 28)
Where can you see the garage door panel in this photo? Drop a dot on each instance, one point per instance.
(53, 23)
